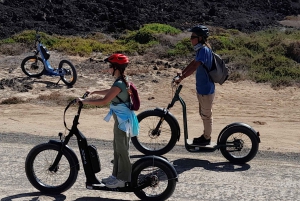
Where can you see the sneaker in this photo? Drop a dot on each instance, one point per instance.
(108, 179)
(116, 183)
(201, 141)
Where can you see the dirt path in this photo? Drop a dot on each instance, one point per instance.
(274, 114)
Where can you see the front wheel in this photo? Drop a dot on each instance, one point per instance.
(69, 76)
(241, 144)
(152, 140)
(160, 176)
(37, 165)
(33, 66)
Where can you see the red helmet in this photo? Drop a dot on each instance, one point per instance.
(118, 59)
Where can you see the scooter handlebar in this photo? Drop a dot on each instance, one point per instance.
(176, 78)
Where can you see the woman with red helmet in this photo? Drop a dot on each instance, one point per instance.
(126, 123)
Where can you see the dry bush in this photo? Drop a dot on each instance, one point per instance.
(157, 51)
(291, 17)
(215, 44)
(216, 30)
(166, 42)
(101, 37)
(291, 21)
(12, 49)
(12, 100)
(172, 40)
(293, 51)
(54, 98)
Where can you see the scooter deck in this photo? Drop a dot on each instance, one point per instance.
(102, 186)
(212, 145)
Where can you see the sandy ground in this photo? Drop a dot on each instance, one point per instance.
(274, 113)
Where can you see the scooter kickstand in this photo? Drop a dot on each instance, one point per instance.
(58, 81)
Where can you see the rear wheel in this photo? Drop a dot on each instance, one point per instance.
(241, 144)
(69, 76)
(151, 141)
(33, 66)
(158, 174)
(37, 165)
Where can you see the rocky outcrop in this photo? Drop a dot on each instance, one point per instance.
(72, 17)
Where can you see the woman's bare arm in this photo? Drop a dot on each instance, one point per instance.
(102, 92)
(109, 95)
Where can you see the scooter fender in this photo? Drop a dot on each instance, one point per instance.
(157, 158)
(173, 118)
(67, 149)
(239, 124)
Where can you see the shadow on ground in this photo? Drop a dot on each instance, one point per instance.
(185, 164)
(35, 196)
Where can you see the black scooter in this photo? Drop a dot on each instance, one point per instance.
(160, 130)
(53, 167)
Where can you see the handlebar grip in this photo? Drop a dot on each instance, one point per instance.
(176, 78)
(85, 94)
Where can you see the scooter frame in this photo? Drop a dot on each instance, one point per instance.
(191, 147)
(163, 114)
(92, 182)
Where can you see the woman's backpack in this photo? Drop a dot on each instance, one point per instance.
(134, 97)
(219, 71)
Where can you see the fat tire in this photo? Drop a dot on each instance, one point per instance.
(254, 145)
(39, 61)
(73, 73)
(145, 149)
(171, 179)
(37, 182)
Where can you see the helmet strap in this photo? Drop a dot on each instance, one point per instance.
(202, 41)
(114, 71)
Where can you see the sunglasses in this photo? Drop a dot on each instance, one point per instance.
(192, 37)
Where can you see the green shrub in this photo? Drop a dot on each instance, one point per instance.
(27, 37)
(148, 33)
(255, 46)
(157, 28)
(274, 69)
(7, 41)
(265, 56)
(144, 36)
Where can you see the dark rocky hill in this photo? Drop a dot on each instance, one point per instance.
(71, 17)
